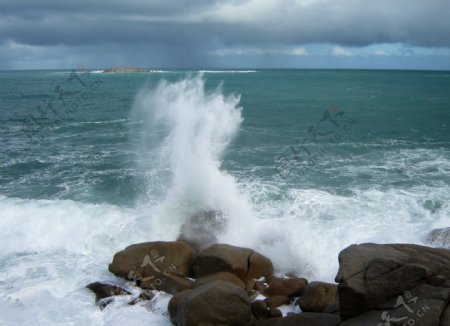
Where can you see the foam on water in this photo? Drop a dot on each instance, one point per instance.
(51, 249)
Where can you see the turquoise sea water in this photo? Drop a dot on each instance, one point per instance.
(302, 162)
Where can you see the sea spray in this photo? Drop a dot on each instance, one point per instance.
(186, 132)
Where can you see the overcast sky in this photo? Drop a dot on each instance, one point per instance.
(401, 34)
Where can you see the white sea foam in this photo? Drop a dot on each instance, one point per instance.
(51, 249)
(227, 71)
(196, 127)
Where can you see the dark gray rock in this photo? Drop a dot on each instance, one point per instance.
(303, 319)
(260, 309)
(318, 296)
(422, 306)
(371, 274)
(104, 293)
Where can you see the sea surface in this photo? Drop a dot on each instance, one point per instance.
(302, 163)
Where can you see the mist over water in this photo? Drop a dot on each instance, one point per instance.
(145, 153)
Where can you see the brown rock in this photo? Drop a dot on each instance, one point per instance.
(224, 276)
(276, 301)
(303, 319)
(146, 261)
(289, 287)
(217, 302)
(144, 296)
(331, 309)
(371, 274)
(105, 292)
(317, 296)
(169, 283)
(173, 305)
(422, 306)
(275, 313)
(259, 266)
(242, 262)
(260, 309)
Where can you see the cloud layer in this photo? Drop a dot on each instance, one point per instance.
(167, 30)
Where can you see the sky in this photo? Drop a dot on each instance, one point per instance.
(367, 34)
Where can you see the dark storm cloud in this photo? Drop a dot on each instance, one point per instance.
(352, 22)
(183, 32)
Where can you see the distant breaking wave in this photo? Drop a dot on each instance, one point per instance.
(227, 71)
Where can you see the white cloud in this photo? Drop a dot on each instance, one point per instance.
(294, 51)
(380, 53)
(338, 51)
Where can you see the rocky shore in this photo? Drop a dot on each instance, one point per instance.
(377, 284)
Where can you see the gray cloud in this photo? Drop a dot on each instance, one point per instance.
(164, 26)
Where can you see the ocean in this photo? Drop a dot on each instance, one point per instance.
(302, 163)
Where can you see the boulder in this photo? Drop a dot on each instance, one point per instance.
(146, 262)
(288, 287)
(318, 296)
(439, 238)
(276, 301)
(445, 317)
(243, 262)
(224, 276)
(173, 305)
(201, 229)
(303, 319)
(218, 302)
(275, 313)
(422, 306)
(260, 309)
(170, 283)
(371, 274)
(104, 293)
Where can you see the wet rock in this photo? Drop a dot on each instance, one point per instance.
(218, 302)
(371, 274)
(148, 261)
(104, 293)
(303, 319)
(422, 306)
(173, 305)
(275, 313)
(169, 283)
(243, 262)
(288, 287)
(332, 309)
(439, 238)
(144, 296)
(260, 309)
(276, 301)
(318, 296)
(445, 317)
(224, 276)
